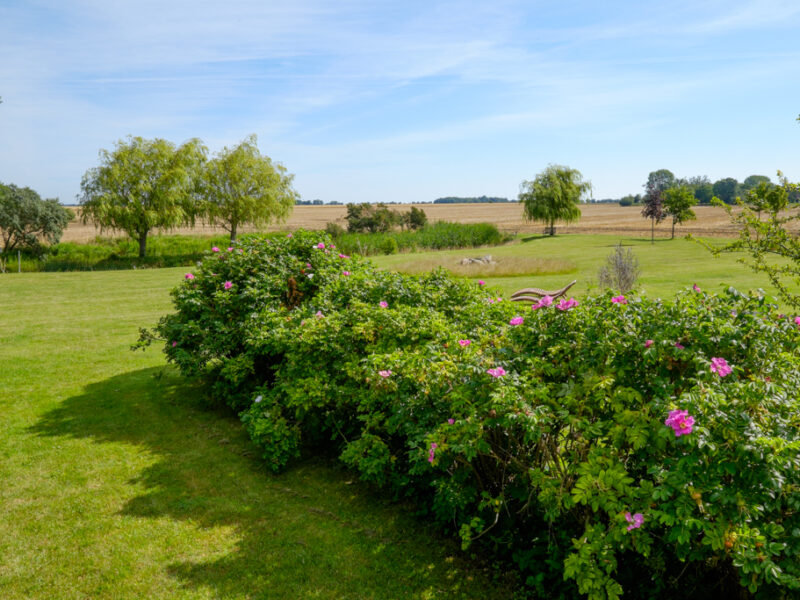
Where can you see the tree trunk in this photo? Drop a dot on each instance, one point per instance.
(552, 226)
(233, 233)
(142, 244)
(673, 229)
(652, 231)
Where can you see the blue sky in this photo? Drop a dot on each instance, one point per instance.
(407, 101)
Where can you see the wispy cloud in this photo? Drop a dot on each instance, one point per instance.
(359, 80)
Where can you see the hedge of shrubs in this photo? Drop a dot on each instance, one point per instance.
(433, 236)
(614, 444)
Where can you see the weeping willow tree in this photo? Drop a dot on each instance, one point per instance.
(242, 186)
(143, 185)
(554, 196)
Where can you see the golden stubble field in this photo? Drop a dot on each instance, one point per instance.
(596, 218)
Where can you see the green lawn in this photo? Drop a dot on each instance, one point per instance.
(115, 482)
(666, 266)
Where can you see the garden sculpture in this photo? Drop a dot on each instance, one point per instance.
(534, 294)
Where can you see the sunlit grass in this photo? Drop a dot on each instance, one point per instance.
(116, 482)
(501, 266)
(666, 266)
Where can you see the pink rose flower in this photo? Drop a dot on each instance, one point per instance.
(450, 421)
(567, 304)
(648, 343)
(215, 249)
(288, 235)
(189, 276)
(635, 520)
(227, 285)
(345, 273)
(230, 249)
(497, 372)
(696, 288)
(619, 299)
(797, 321)
(680, 421)
(174, 344)
(386, 373)
(679, 346)
(481, 282)
(432, 452)
(721, 367)
(543, 302)
(383, 304)
(516, 321)
(321, 245)
(464, 343)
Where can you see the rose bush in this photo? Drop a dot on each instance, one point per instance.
(616, 443)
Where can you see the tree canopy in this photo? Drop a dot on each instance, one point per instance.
(770, 238)
(26, 220)
(753, 180)
(653, 202)
(678, 202)
(726, 189)
(239, 186)
(142, 185)
(553, 196)
(660, 180)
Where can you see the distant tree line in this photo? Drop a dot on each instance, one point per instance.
(727, 189)
(317, 202)
(471, 200)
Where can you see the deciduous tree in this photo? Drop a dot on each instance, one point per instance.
(752, 181)
(553, 196)
(240, 185)
(678, 203)
(770, 238)
(726, 189)
(653, 202)
(26, 220)
(142, 185)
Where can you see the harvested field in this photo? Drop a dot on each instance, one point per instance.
(596, 218)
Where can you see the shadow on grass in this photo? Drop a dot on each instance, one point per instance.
(311, 532)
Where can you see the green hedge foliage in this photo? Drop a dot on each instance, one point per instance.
(435, 236)
(615, 444)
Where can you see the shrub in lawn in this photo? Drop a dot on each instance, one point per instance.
(619, 443)
(620, 271)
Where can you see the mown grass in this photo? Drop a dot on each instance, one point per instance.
(116, 482)
(500, 266)
(666, 266)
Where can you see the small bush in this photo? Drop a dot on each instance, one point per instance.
(620, 271)
(617, 444)
(390, 246)
(334, 230)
